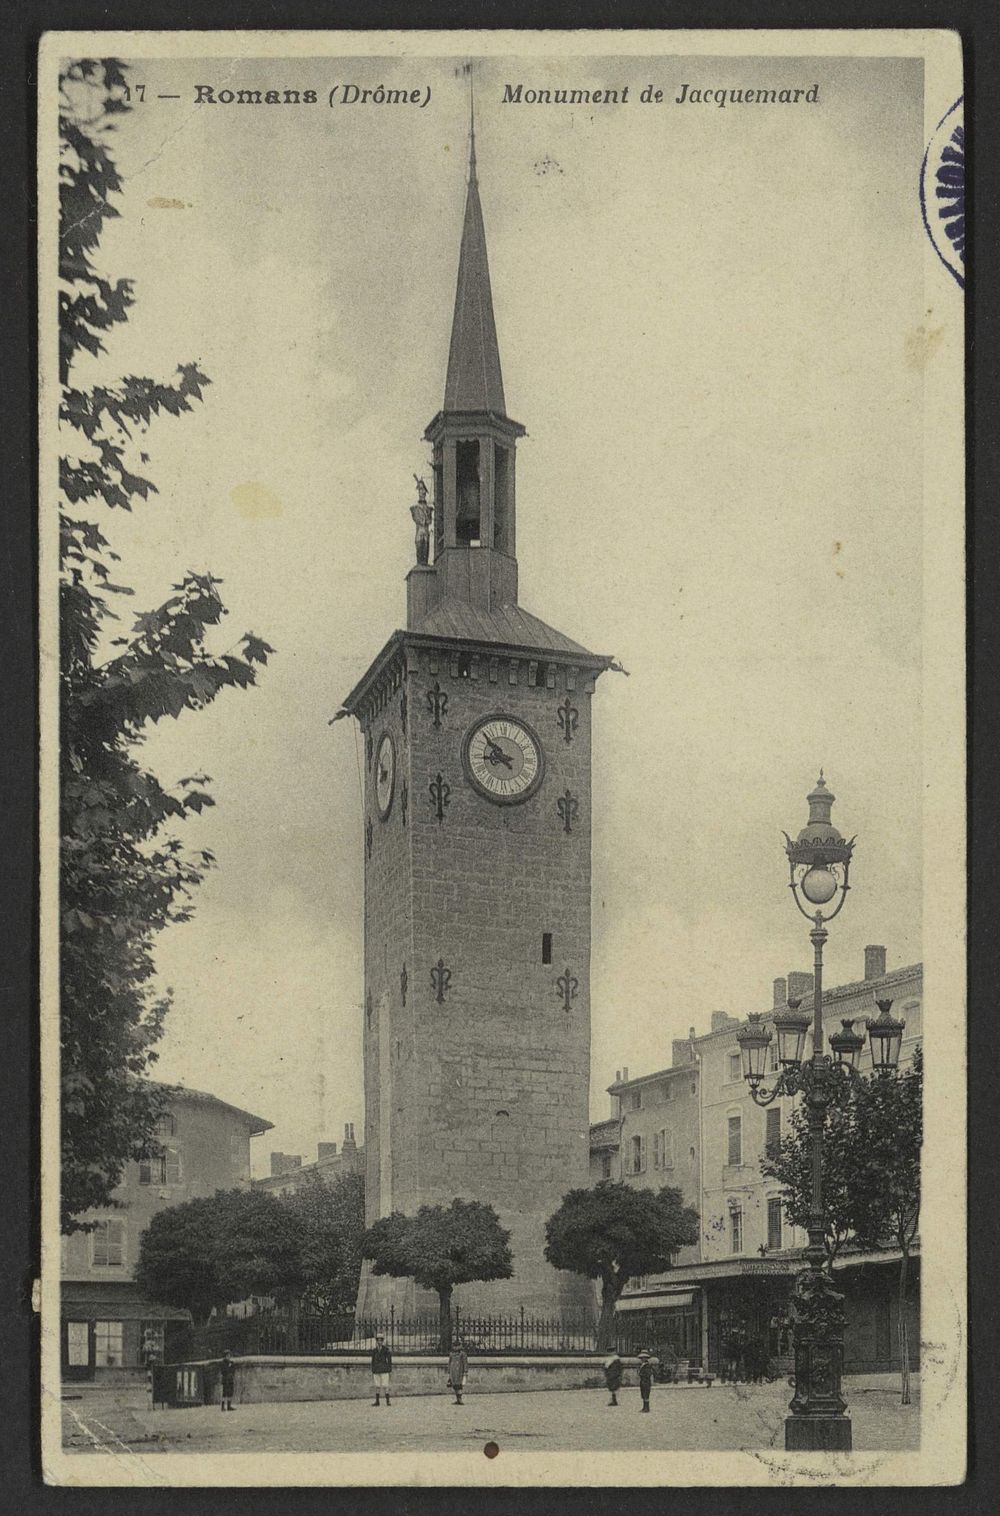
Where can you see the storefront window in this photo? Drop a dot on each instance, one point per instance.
(108, 1343)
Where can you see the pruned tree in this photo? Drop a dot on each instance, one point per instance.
(124, 875)
(439, 1248)
(331, 1222)
(612, 1232)
(204, 1254)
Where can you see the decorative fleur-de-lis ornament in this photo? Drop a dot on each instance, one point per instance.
(568, 806)
(566, 987)
(568, 718)
(440, 794)
(437, 703)
(440, 981)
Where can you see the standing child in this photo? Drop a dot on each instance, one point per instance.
(381, 1369)
(458, 1367)
(613, 1377)
(227, 1380)
(645, 1376)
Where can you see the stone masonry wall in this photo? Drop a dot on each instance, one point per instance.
(486, 1068)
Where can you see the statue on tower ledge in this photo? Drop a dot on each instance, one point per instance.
(422, 514)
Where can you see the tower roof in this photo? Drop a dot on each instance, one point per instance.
(474, 381)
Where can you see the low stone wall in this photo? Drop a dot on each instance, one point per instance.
(348, 1377)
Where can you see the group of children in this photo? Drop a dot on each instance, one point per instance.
(458, 1368)
(614, 1372)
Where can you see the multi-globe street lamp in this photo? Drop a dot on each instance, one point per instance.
(819, 862)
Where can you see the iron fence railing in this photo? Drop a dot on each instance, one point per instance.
(291, 1335)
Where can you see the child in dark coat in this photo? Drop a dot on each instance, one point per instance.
(646, 1369)
(227, 1380)
(381, 1369)
(613, 1377)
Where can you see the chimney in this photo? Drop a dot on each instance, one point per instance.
(780, 993)
(349, 1145)
(721, 1020)
(283, 1163)
(681, 1051)
(625, 1073)
(325, 1150)
(799, 986)
(874, 962)
(618, 1076)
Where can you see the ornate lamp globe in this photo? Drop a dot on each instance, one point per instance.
(791, 1026)
(754, 1040)
(846, 1045)
(885, 1034)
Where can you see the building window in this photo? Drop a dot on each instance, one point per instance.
(108, 1343)
(605, 1165)
(546, 947)
(668, 1091)
(638, 1156)
(663, 1149)
(735, 1072)
(107, 1245)
(78, 1344)
(163, 1170)
(635, 1100)
(772, 1133)
(736, 1229)
(694, 1087)
(639, 1282)
(774, 1224)
(735, 1150)
(166, 1126)
(239, 1155)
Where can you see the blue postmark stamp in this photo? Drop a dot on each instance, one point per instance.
(942, 191)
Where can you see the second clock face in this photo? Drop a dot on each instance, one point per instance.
(504, 760)
(385, 774)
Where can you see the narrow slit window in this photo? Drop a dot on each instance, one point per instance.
(467, 516)
(546, 947)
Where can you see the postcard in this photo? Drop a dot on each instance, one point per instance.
(502, 625)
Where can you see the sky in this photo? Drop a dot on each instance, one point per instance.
(706, 323)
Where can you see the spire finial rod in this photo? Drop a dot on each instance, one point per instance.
(472, 125)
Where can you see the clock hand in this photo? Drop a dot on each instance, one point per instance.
(496, 754)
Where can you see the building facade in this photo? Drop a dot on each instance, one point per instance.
(477, 834)
(109, 1329)
(748, 1254)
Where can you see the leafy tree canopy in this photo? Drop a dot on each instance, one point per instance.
(440, 1247)
(124, 875)
(614, 1231)
(791, 1166)
(331, 1222)
(203, 1254)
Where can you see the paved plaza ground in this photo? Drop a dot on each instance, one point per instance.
(683, 1418)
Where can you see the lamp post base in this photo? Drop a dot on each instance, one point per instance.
(817, 1434)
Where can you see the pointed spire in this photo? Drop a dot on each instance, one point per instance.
(474, 381)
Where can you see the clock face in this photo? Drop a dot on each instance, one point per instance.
(385, 774)
(504, 759)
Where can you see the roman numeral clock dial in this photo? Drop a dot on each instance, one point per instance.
(503, 759)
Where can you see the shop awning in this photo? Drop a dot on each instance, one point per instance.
(662, 1300)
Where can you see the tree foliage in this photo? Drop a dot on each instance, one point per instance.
(124, 875)
(203, 1254)
(791, 1166)
(612, 1232)
(330, 1219)
(871, 1173)
(440, 1247)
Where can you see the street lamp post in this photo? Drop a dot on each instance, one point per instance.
(819, 863)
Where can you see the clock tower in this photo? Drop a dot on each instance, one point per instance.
(477, 836)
